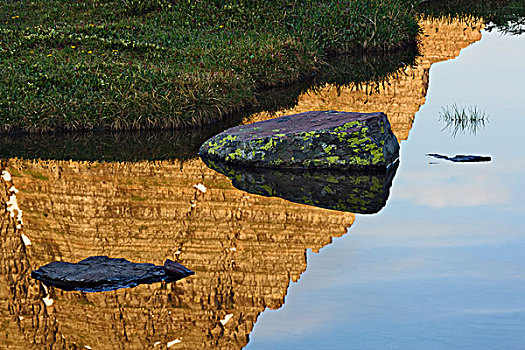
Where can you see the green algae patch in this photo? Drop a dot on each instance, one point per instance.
(14, 172)
(232, 156)
(215, 145)
(36, 175)
(332, 160)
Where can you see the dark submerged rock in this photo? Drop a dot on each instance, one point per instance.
(353, 191)
(320, 140)
(101, 273)
(462, 158)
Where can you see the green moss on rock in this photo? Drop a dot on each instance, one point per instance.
(324, 139)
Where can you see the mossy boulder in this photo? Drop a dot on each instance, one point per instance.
(311, 140)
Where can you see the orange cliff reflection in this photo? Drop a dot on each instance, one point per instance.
(401, 96)
(244, 248)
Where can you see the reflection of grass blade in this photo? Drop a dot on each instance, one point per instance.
(465, 120)
(512, 27)
(507, 16)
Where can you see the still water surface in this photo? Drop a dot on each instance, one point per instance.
(439, 267)
(442, 265)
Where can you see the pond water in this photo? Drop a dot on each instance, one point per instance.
(440, 266)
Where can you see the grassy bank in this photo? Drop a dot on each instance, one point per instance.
(132, 64)
(183, 144)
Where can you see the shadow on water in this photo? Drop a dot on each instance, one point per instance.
(109, 146)
(356, 192)
(507, 16)
(184, 144)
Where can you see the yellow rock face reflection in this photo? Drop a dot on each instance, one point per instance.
(400, 97)
(245, 249)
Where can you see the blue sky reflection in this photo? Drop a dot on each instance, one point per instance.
(442, 266)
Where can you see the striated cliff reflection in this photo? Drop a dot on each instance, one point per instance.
(401, 96)
(244, 248)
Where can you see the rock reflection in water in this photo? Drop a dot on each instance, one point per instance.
(357, 192)
(102, 274)
(462, 158)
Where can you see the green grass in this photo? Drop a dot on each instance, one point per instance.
(140, 64)
(369, 72)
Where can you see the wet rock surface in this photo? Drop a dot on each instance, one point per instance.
(101, 273)
(352, 191)
(462, 158)
(310, 140)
